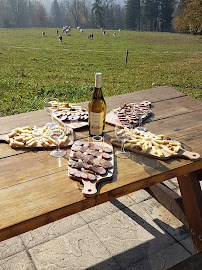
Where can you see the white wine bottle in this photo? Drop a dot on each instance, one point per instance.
(97, 109)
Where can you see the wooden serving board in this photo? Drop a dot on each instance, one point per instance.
(69, 109)
(181, 153)
(67, 144)
(112, 118)
(89, 187)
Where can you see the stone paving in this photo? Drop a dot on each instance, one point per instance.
(133, 232)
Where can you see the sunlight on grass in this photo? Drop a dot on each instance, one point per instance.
(41, 67)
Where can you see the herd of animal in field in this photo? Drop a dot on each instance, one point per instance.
(67, 29)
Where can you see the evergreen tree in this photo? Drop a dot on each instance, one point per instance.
(56, 17)
(151, 15)
(166, 14)
(132, 14)
(97, 14)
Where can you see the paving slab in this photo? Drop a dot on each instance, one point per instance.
(140, 195)
(165, 219)
(52, 230)
(19, 261)
(78, 249)
(188, 244)
(10, 247)
(105, 209)
(130, 235)
(162, 260)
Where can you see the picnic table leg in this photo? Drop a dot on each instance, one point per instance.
(192, 199)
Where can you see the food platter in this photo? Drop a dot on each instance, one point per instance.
(128, 114)
(91, 163)
(36, 138)
(157, 146)
(72, 115)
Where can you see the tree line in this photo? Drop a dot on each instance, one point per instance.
(144, 15)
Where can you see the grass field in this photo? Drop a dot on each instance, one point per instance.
(33, 67)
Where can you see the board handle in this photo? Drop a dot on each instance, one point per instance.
(190, 155)
(89, 188)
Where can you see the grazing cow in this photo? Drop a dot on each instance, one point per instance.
(78, 28)
(119, 30)
(60, 39)
(103, 32)
(43, 34)
(57, 32)
(81, 31)
(90, 36)
(67, 31)
(114, 34)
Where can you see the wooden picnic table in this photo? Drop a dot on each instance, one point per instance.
(35, 191)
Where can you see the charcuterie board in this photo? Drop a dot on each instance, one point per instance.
(72, 115)
(39, 138)
(91, 163)
(128, 114)
(157, 146)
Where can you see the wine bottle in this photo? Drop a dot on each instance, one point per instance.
(97, 109)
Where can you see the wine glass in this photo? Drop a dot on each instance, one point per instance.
(140, 114)
(122, 136)
(51, 105)
(57, 133)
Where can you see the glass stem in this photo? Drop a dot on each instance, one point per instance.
(122, 146)
(52, 117)
(58, 145)
(140, 121)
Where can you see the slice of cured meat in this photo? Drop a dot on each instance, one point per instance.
(72, 163)
(87, 166)
(96, 161)
(84, 175)
(106, 156)
(105, 163)
(76, 147)
(78, 143)
(77, 173)
(91, 177)
(99, 170)
(107, 149)
(88, 158)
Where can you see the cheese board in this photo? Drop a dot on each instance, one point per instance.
(39, 138)
(129, 114)
(157, 146)
(91, 163)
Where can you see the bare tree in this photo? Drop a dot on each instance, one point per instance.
(74, 7)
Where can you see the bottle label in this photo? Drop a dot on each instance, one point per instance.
(96, 123)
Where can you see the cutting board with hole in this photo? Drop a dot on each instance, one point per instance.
(182, 153)
(113, 119)
(90, 187)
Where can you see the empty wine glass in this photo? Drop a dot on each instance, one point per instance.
(140, 114)
(57, 133)
(51, 105)
(122, 136)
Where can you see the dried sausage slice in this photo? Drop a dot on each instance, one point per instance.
(99, 170)
(91, 177)
(106, 156)
(107, 149)
(78, 143)
(105, 163)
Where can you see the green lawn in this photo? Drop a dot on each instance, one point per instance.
(33, 67)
